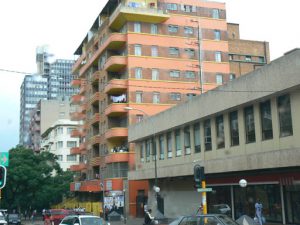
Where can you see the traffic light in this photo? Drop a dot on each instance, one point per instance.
(199, 176)
(2, 176)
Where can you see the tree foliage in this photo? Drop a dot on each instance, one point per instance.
(34, 181)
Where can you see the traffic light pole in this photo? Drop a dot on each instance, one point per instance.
(204, 202)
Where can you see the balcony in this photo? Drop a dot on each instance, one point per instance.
(86, 186)
(76, 116)
(117, 157)
(122, 14)
(96, 76)
(97, 161)
(83, 87)
(76, 99)
(95, 118)
(115, 63)
(82, 147)
(83, 107)
(116, 133)
(116, 109)
(76, 83)
(75, 151)
(79, 167)
(116, 86)
(95, 98)
(79, 62)
(95, 140)
(75, 133)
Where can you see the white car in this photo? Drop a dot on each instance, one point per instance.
(2, 220)
(82, 220)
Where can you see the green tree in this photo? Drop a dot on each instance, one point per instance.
(34, 181)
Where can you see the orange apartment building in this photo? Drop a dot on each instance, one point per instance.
(140, 57)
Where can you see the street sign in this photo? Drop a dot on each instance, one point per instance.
(4, 158)
(204, 189)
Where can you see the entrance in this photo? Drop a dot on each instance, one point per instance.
(293, 204)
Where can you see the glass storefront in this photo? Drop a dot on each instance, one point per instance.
(292, 204)
(219, 201)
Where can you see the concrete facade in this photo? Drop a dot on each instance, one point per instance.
(272, 162)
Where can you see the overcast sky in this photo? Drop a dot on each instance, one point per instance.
(62, 24)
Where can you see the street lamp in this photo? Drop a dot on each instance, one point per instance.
(154, 152)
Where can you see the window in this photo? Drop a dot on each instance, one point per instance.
(169, 144)
(156, 97)
(138, 73)
(188, 30)
(173, 28)
(285, 115)
(190, 96)
(154, 51)
(190, 74)
(207, 135)
(261, 59)
(153, 29)
(69, 130)
(230, 57)
(71, 144)
(215, 13)
(190, 52)
(217, 35)
(60, 130)
(187, 140)
(154, 151)
(197, 139)
(172, 6)
(218, 56)
(266, 120)
(137, 27)
(219, 79)
(59, 144)
(234, 128)
(175, 96)
(248, 58)
(161, 147)
(174, 73)
(173, 51)
(148, 147)
(71, 158)
(59, 158)
(139, 118)
(142, 159)
(178, 143)
(188, 8)
(231, 76)
(220, 131)
(155, 74)
(138, 50)
(139, 97)
(249, 124)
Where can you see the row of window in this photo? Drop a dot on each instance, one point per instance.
(138, 73)
(70, 158)
(69, 144)
(266, 128)
(174, 96)
(173, 29)
(62, 130)
(173, 51)
(246, 58)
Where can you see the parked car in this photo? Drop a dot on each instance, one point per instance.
(221, 208)
(208, 219)
(54, 216)
(13, 218)
(82, 220)
(2, 220)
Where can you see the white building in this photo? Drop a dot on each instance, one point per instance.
(57, 139)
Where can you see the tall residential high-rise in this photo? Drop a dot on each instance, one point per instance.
(51, 82)
(138, 59)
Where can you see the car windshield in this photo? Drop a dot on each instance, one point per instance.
(13, 216)
(91, 221)
(2, 218)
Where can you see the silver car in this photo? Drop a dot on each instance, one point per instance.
(208, 219)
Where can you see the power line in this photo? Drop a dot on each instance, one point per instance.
(14, 71)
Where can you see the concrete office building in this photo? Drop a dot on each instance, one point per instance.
(57, 140)
(250, 132)
(43, 116)
(51, 82)
(140, 57)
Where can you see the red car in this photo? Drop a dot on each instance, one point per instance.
(54, 216)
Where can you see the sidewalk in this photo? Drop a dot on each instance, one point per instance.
(130, 221)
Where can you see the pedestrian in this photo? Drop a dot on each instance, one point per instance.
(258, 212)
(25, 214)
(148, 217)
